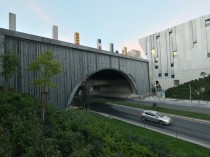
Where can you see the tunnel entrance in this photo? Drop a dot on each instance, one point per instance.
(105, 83)
(110, 82)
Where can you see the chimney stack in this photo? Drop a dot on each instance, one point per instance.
(12, 21)
(55, 32)
(99, 44)
(111, 47)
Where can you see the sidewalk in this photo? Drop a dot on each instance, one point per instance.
(197, 103)
(185, 105)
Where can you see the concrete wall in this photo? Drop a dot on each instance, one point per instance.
(191, 42)
(78, 63)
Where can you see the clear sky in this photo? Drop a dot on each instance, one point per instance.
(121, 22)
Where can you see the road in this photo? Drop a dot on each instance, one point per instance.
(190, 130)
(190, 107)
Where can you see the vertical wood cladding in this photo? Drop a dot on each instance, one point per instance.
(77, 63)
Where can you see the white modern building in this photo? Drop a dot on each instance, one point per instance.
(134, 53)
(178, 54)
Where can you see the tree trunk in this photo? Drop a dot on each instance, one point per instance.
(44, 95)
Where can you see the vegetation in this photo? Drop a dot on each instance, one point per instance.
(70, 133)
(47, 67)
(200, 89)
(9, 63)
(203, 74)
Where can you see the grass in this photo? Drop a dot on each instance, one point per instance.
(177, 145)
(161, 109)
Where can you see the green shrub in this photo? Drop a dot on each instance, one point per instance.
(182, 91)
(70, 133)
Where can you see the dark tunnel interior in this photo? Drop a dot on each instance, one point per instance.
(107, 75)
(105, 83)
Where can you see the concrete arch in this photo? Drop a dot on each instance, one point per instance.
(128, 77)
(77, 61)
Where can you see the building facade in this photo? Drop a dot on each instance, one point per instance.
(134, 53)
(178, 54)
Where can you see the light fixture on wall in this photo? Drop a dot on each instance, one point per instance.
(153, 51)
(174, 53)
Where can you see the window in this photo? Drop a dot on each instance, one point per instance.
(156, 67)
(148, 113)
(166, 74)
(172, 76)
(170, 32)
(176, 82)
(157, 37)
(172, 64)
(208, 54)
(156, 59)
(207, 23)
(160, 75)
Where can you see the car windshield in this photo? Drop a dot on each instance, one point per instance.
(159, 114)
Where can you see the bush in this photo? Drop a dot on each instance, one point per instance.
(182, 91)
(69, 133)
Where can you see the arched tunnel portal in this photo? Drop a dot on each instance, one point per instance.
(106, 83)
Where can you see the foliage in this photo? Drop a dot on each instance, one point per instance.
(203, 74)
(70, 133)
(10, 62)
(200, 89)
(153, 89)
(47, 67)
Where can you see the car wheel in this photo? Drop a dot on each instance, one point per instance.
(161, 123)
(143, 118)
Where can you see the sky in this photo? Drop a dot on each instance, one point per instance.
(121, 22)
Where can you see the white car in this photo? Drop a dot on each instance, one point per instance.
(156, 117)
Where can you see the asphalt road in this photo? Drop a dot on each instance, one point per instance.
(171, 105)
(194, 131)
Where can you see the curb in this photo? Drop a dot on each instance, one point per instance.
(172, 101)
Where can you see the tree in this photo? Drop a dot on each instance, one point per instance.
(47, 67)
(203, 74)
(86, 91)
(10, 62)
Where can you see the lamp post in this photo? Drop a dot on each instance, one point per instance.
(190, 93)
